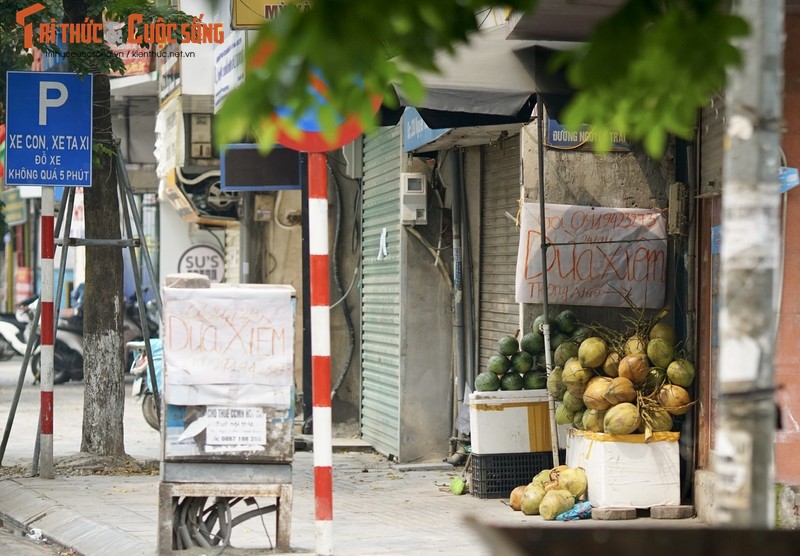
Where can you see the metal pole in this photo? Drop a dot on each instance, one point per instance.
(749, 260)
(47, 328)
(458, 303)
(321, 348)
(548, 360)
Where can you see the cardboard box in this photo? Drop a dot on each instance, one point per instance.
(509, 422)
(624, 471)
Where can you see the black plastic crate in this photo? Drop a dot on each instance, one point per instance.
(496, 475)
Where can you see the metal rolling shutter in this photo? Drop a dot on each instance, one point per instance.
(499, 238)
(380, 292)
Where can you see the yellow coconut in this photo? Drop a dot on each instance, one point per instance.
(674, 399)
(635, 344)
(594, 396)
(634, 367)
(622, 418)
(515, 500)
(620, 390)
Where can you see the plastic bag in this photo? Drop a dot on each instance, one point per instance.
(581, 510)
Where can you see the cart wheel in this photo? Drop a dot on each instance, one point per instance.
(150, 411)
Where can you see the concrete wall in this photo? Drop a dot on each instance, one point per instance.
(177, 235)
(427, 349)
(282, 261)
(787, 361)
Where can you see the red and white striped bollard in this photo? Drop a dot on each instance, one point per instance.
(320, 349)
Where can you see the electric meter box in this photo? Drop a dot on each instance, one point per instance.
(228, 374)
(413, 198)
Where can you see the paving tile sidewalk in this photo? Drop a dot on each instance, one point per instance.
(380, 508)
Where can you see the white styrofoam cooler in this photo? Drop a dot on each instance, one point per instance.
(509, 422)
(624, 471)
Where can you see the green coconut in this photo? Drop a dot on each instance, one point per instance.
(567, 321)
(580, 334)
(592, 352)
(557, 339)
(532, 342)
(563, 415)
(577, 419)
(555, 385)
(611, 364)
(575, 377)
(498, 364)
(542, 477)
(622, 418)
(566, 351)
(635, 344)
(681, 372)
(507, 345)
(655, 378)
(592, 420)
(660, 352)
(522, 362)
(573, 403)
(574, 480)
(540, 320)
(556, 502)
(658, 418)
(531, 499)
(664, 331)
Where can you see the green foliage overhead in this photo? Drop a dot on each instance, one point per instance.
(360, 47)
(650, 67)
(645, 72)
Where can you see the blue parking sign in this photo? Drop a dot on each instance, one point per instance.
(48, 129)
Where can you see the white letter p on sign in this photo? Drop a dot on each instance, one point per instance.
(45, 103)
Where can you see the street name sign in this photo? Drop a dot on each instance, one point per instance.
(48, 129)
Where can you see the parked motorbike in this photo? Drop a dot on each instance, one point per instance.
(142, 385)
(12, 330)
(68, 344)
(133, 326)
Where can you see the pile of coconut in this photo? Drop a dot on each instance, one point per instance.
(551, 492)
(622, 383)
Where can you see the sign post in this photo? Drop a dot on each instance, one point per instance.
(49, 144)
(314, 140)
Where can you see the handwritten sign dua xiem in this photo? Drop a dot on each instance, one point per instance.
(597, 256)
